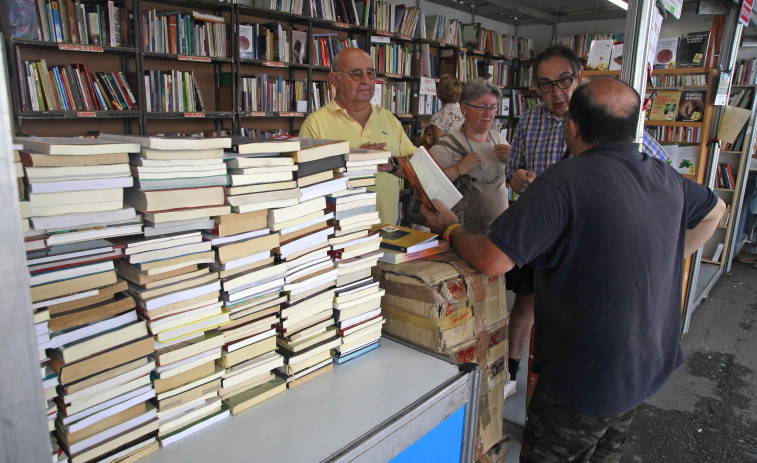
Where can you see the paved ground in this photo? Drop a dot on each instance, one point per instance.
(708, 411)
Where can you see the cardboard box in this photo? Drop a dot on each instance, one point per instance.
(440, 302)
(443, 305)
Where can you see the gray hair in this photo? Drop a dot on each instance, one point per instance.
(476, 88)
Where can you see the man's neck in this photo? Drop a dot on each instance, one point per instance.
(358, 111)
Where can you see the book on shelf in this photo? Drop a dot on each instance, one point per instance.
(692, 49)
(616, 57)
(666, 53)
(685, 160)
(665, 106)
(600, 52)
(691, 106)
(299, 51)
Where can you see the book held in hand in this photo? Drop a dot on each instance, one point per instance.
(428, 179)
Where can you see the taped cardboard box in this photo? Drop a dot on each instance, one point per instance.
(490, 418)
(440, 302)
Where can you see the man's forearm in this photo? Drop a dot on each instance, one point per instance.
(699, 235)
(480, 252)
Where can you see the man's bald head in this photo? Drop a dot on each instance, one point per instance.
(606, 111)
(346, 57)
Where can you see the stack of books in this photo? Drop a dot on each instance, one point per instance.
(180, 182)
(403, 244)
(176, 291)
(93, 349)
(361, 166)
(306, 331)
(355, 249)
(252, 285)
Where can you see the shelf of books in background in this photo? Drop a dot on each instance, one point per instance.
(95, 352)
(52, 61)
(735, 130)
(273, 73)
(582, 43)
(186, 53)
(746, 72)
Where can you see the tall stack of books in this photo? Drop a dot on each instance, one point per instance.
(252, 282)
(306, 331)
(355, 249)
(170, 277)
(98, 350)
(361, 166)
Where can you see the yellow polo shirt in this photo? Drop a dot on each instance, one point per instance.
(332, 122)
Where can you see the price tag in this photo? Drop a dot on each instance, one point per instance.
(86, 114)
(195, 114)
(428, 86)
(199, 59)
(257, 114)
(290, 114)
(342, 25)
(275, 64)
(74, 47)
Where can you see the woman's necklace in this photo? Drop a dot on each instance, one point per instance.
(483, 173)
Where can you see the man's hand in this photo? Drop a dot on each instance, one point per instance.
(470, 161)
(521, 179)
(438, 223)
(503, 152)
(373, 146)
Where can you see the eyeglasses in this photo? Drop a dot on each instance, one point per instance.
(357, 74)
(482, 109)
(563, 83)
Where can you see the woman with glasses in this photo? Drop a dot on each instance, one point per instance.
(473, 156)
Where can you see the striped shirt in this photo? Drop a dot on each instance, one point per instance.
(538, 142)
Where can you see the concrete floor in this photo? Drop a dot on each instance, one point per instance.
(707, 412)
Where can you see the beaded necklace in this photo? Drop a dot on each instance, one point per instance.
(483, 173)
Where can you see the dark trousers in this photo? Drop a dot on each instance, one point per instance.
(557, 432)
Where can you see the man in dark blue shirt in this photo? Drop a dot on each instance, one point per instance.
(607, 232)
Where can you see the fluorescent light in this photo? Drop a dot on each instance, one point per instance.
(619, 3)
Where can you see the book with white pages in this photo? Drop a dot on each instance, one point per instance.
(105, 396)
(192, 428)
(322, 189)
(69, 221)
(241, 262)
(368, 299)
(304, 242)
(186, 225)
(69, 146)
(358, 318)
(138, 244)
(434, 182)
(112, 231)
(87, 421)
(200, 325)
(219, 372)
(76, 334)
(111, 432)
(115, 442)
(139, 450)
(168, 252)
(175, 412)
(296, 288)
(231, 347)
(242, 162)
(130, 397)
(178, 368)
(316, 218)
(57, 174)
(81, 185)
(243, 207)
(255, 277)
(264, 288)
(152, 304)
(123, 378)
(184, 318)
(310, 269)
(170, 142)
(136, 160)
(209, 407)
(69, 251)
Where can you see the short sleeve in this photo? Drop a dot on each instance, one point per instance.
(699, 202)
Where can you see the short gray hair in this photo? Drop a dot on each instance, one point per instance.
(476, 88)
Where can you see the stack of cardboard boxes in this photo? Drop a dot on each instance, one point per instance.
(443, 305)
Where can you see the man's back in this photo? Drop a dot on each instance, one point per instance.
(604, 231)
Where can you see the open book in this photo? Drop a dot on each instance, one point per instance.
(428, 179)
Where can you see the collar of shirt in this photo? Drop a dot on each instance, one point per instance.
(334, 108)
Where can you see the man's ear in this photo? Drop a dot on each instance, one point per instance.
(573, 130)
(332, 77)
(579, 76)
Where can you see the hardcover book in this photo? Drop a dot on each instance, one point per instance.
(405, 239)
(692, 49)
(666, 53)
(691, 106)
(665, 106)
(599, 55)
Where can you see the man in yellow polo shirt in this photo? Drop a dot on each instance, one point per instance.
(351, 116)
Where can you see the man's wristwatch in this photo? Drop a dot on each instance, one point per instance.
(395, 165)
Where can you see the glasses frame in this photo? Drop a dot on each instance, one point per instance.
(358, 74)
(556, 83)
(482, 109)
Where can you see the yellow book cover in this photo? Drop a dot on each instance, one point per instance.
(665, 106)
